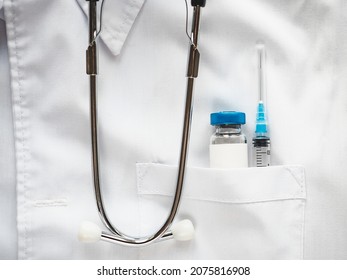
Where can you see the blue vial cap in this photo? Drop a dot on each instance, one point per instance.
(228, 117)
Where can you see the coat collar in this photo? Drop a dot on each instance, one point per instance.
(118, 18)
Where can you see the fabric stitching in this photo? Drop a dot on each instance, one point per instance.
(228, 201)
(141, 173)
(139, 178)
(298, 197)
(126, 18)
(303, 218)
(120, 34)
(121, 29)
(51, 203)
(139, 201)
(140, 205)
(298, 178)
(117, 35)
(20, 118)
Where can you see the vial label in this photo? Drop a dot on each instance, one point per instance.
(228, 155)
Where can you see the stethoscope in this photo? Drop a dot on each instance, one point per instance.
(183, 230)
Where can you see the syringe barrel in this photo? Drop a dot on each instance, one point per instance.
(261, 151)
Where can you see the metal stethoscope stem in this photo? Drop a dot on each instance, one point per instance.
(164, 232)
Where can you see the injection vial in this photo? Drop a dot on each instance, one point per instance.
(228, 145)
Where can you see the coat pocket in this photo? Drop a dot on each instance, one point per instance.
(247, 213)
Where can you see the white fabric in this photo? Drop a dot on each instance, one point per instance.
(2, 16)
(117, 20)
(260, 211)
(141, 99)
(8, 242)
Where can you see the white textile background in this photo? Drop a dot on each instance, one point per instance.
(46, 185)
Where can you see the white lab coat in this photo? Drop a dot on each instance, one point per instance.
(295, 209)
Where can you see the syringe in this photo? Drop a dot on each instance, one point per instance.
(261, 141)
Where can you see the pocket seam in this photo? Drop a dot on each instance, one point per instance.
(299, 178)
(295, 172)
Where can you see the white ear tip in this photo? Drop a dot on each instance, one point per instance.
(183, 230)
(89, 232)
